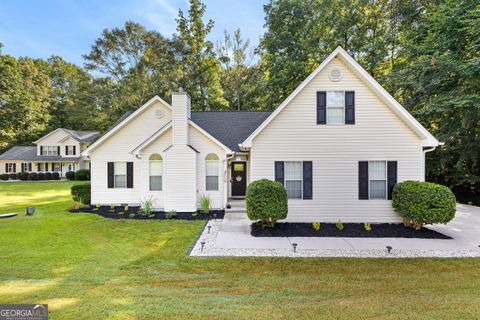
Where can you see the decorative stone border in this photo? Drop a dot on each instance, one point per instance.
(210, 251)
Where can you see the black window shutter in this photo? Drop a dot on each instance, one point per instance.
(349, 107)
(391, 177)
(30, 166)
(38, 166)
(129, 174)
(110, 170)
(41, 150)
(363, 180)
(307, 180)
(14, 167)
(23, 167)
(321, 107)
(6, 167)
(279, 172)
(74, 150)
(46, 166)
(66, 150)
(53, 167)
(58, 150)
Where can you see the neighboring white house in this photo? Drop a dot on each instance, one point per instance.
(58, 151)
(338, 144)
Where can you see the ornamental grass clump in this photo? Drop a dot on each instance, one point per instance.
(421, 203)
(266, 202)
(204, 202)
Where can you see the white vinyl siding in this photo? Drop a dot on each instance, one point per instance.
(335, 107)
(120, 174)
(156, 172)
(377, 176)
(335, 151)
(293, 179)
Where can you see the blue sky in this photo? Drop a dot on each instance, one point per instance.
(41, 28)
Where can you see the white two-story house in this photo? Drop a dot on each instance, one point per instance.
(58, 151)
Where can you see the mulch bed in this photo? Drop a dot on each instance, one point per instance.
(133, 213)
(350, 230)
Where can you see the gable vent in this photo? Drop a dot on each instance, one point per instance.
(335, 75)
(159, 113)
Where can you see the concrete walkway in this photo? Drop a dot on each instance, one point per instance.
(231, 237)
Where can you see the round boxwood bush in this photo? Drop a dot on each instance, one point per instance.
(55, 176)
(4, 176)
(266, 201)
(422, 203)
(82, 175)
(22, 176)
(32, 176)
(40, 176)
(70, 175)
(81, 193)
(13, 176)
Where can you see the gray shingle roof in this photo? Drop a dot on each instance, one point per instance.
(230, 127)
(83, 136)
(30, 154)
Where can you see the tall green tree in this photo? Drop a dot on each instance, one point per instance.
(142, 62)
(199, 67)
(438, 81)
(241, 79)
(24, 101)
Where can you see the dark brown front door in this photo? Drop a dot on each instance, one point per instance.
(239, 179)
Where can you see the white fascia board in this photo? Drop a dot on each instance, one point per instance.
(124, 122)
(208, 135)
(390, 101)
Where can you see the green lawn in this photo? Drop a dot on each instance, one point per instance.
(88, 267)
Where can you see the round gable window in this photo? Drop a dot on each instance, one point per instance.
(335, 75)
(159, 113)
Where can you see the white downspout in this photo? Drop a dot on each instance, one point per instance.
(423, 158)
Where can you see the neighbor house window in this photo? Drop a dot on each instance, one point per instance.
(120, 174)
(49, 150)
(41, 167)
(293, 179)
(211, 172)
(70, 150)
(156, 172)
(335, 107)
(377, 176)
(10, 167)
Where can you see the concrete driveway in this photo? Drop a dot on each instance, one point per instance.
(231, 236)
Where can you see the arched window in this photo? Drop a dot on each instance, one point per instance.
(156, 172)
(211, 172)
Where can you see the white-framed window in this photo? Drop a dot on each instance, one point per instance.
(293, 179)
(41, 167)
(156, 172)
(377, 179)
(57, 167)
(120, 174)
(211, 172)
(11, 167)
(25, 167)
(335, 107)
(70, 150)
(50, 151)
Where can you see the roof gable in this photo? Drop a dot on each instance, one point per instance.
(339, 52)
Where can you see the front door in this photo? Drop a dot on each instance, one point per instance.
(239, 179)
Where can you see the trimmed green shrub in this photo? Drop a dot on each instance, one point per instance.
(40, 176)
(4, 176)
(82, 175)
(70, 175)
(422, 203)
(22, 176)
(55, 176)
(266, 201)
(32, 176)
(81, 193)
(13, 176)
(48, 176)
